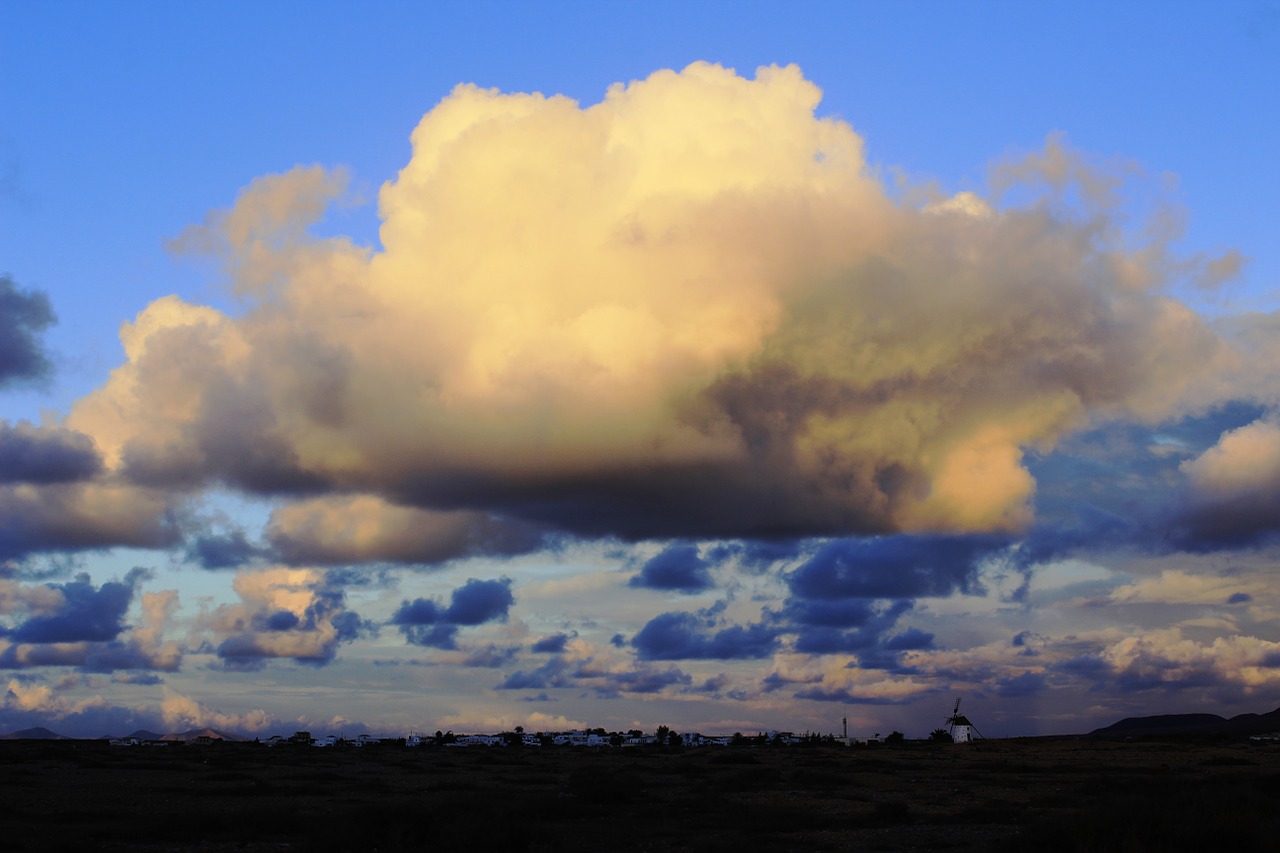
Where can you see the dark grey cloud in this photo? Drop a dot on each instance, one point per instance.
(771, 406)
(561, 673)
(375, 577)
(912, 639)
(491, 656)
(756, 555)
(894, 567)
(46, 455)
(226, 550)
(645, 680)
(714, 685)
(849, 595)
(658, 500)
(1091, 667)
(87, 614)
(694, 636)
(776, 681)
(65, 517)
(677, 568)
(96, 657)
(552, 644)
(24, 315)
(477, 601)
(553, 673)
(282, 620)
(148, 679)
(863, 636)
(1207, 523)
(234, 440)
(1025, 684)
(425, 622)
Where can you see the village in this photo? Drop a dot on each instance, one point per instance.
(590, 738)
(959, 730)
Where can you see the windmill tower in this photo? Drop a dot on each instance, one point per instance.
(962, 731)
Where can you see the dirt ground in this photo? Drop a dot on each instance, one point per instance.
(1036, 794)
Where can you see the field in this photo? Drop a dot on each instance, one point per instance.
(1027, 794)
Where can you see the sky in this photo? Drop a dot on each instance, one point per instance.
(395, 367)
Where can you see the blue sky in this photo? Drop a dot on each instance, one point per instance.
(700, 401)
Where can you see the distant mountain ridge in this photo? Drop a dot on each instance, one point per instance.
(37, 733)
(41, 733)
(1186, 724)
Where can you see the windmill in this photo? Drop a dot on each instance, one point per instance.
(958, 725)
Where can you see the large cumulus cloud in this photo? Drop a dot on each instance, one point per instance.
(689, 310)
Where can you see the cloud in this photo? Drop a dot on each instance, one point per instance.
(690, 310)
(1167, 659)
(553, 673)
(479, 601)
(32, 455)
(856, 626)
(283, 613)
(1221, 269)
(364, 528)
(894, 567)
(1234, 489)
(43, 699)
(426, 622)
(75, 625)
(86, 614)
(688, 636)
(1024, 684)
(222, 550)
(646, 680)
(84, 515)
(553, 644)
(1173, 586)
(183, 712)
(777, 680)
(677, 568)
(23, 316)
(849, 697)
(490, 656)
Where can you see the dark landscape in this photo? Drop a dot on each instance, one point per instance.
(1201, 792)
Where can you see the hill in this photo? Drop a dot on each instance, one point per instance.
(37, 733)
(145, 734)
(1192, 724)
(192, 734)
